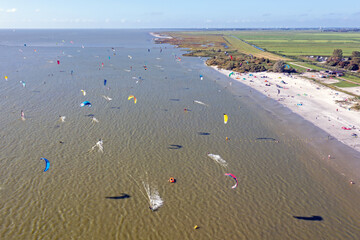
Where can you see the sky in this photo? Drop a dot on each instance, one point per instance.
(178, 14)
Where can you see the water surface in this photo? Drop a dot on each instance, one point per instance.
(286, 190)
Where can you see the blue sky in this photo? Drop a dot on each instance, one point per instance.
(178, 14)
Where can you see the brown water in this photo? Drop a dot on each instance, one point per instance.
(92, 195)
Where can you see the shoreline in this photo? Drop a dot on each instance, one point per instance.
(313, 102)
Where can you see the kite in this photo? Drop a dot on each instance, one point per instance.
(132, 96)
(85, 103)
(47, 164)
(231, 175)
(225, 118)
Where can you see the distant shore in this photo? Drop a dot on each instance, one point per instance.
(157, 35)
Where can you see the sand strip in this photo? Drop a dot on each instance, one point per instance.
(312, 101)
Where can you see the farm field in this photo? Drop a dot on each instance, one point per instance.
(300, 43)
(285, 43)
(248, 49)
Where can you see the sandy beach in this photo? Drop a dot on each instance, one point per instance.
(314, 102)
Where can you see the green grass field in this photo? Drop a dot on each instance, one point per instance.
(344, 84)
(248, 49)
(295, 42)
(351, 78)
(298, 43)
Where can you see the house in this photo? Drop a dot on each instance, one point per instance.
(337, 73)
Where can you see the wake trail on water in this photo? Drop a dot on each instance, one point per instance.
(199, 102)
(155, 200)
(218, 159)
(152, 195)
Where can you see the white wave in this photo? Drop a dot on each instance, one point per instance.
(217, 159)
(155, 200)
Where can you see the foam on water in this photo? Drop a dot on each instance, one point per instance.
(155, 200)
(218, 159)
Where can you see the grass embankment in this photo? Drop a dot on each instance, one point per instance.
(351, 78)
(344, 84)
(303, 66)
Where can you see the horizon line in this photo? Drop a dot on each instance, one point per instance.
(186, 28)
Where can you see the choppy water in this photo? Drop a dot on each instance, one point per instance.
(100, 195)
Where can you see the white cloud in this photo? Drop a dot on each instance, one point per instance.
(123, 20)
(37, 10)
(107, 20)
(208, 20)
(12, 10)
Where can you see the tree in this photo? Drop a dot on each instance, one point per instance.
(355, 57)
(355, 54)
(353, 67)
(229, 66)
(338, 54)
(279, 66)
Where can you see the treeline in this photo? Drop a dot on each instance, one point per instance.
(351, 63)
(247, 63)
(241, 63)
